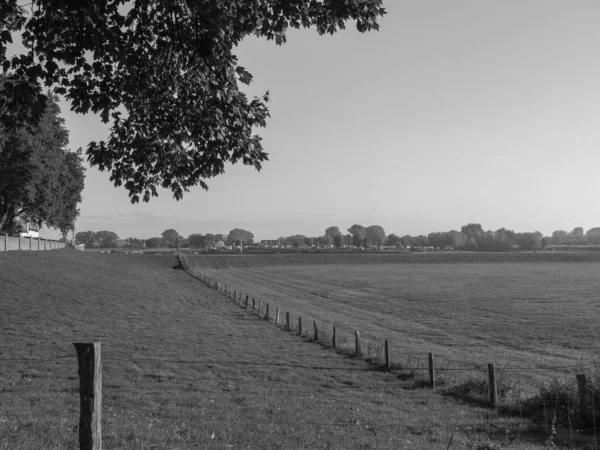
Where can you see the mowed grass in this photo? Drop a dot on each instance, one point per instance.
(535, 316)
(185, 367)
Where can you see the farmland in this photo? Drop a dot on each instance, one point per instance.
(185, 367)
(519, 311)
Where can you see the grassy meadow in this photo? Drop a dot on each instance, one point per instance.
(185, 367)
(520, 311)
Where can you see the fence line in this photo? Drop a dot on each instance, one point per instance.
(10, 243)
(335, 338)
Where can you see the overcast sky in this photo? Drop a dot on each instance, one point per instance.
(456, 111)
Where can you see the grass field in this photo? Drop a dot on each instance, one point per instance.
(184, 367)
(519, 311)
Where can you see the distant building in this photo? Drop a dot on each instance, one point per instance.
(271, 243)
(220, 244)
(30, 230)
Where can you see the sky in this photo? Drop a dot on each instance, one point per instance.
(456, 111)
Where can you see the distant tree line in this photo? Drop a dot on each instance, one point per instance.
(470, 237)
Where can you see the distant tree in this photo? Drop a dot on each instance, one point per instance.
(358, 233)
(393, 240)
(407, 241)
(577, 236)
(593, 236)
(439, 239)
(333, 232)
(529, 241)
(87, 238)
(337, 240)
(154, 242)
(326, 240)
(376, 234)
(209, 240)
(493, 242)
(135, 243)
(238, 235)
(196, 240)
(559, 237)
(296, 240)
(366, 243)
(544, 242)
(171, 238)
(421, 240)
(107, 239)
(459, 239)
(348, 239)
(474, 233)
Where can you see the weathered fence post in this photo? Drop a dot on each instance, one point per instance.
(267, 313)
(493, 387)
(287, 321)
(260, 309)
(582, 390)
(5, 242)
(253, 304)
(316, 330)
(277, 317)
(246, 302)
(357, 347)
(235, 294)
(388, 363)
(30, 243)
(333, 341)
(38, 239)
(431, 371)
(300, 325)
(19, 242)
(90, 395)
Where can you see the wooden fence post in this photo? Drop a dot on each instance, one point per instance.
(277, 317)
(267, 313)
(333, 341)
(388, 363)
(300, 325)
(253, 304)
(90, 395)
(431, 371)
(260, 309)
(357, 347)
(246, 302)
(19, 242)
(582, 390)
(30, 243)
(38, 239)
(493, 387)
(287, 321)
(316, 330)
(5, 242)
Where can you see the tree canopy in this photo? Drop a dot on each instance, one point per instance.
(40, 179)
(162, 72)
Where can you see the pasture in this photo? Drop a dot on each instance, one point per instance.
(520, 311)
(186, 367)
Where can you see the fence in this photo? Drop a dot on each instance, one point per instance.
(329, 335)
(8, 243)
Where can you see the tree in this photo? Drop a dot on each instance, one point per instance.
(171, 238)
(333, 232)
(337, 240)
(154, 242)
(593, 236)
(107, 239)
(325, 240)
(87, 238)
(393, 241)
(376, 234)
(407, 241)
(348, 240)
(40, 180)
(237, 236)
(559, 237)
(358, 233)
(366, 243)
(135, 243)
(530, 241)
(576, 237)
(163, 72)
